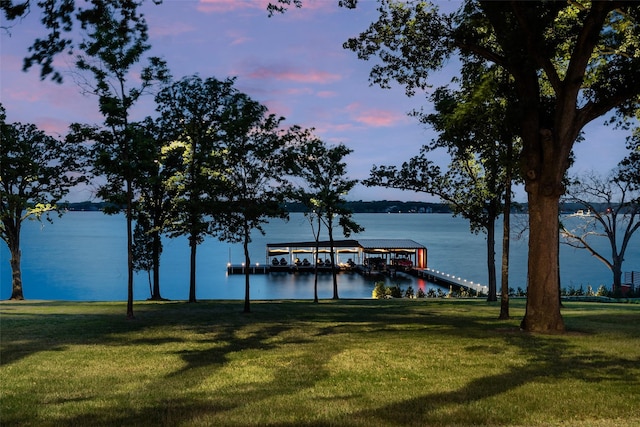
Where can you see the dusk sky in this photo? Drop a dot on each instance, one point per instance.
(293, 63)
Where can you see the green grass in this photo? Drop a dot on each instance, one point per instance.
(295, 363)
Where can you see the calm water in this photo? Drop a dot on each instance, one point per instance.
(82, 256)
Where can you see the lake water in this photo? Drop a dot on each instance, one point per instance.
(82, 257)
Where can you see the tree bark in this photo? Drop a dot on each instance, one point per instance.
(193, 243)
(12, 230)
(247, 263)
(315, 273)
(543, 302)
(616, 269)
(491, 260)
(129, 215)
(331, 256)
(16, 274)
(506, 238)
(155, 295)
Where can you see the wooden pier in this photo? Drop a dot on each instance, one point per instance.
(440, 277)
(241, 269)
(373, 257)
(434, 276)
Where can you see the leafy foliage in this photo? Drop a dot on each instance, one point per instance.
(115, 39)
(195, 113)
(254, 163)
(571, 62)
(36, 172)
(325, 184)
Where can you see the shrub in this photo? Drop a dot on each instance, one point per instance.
(420, 293)
(379, 291)
(395, 291)
(431, 293)
(602, 291)
(409, 293)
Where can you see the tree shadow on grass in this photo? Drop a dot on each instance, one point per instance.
(549, 360)
(219, 330)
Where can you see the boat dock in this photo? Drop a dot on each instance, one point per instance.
(369, 257)
(439, 277)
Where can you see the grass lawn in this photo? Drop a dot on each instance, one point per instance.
(294, 363)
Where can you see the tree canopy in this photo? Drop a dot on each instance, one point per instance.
(571, 62)
(325, 184)
(36, 172)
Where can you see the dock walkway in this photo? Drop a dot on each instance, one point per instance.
(429, 274)
(440, 277)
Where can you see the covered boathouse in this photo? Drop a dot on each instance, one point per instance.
(363, 253)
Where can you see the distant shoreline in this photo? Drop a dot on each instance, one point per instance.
(379, 206)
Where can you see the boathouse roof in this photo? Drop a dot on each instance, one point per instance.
(385, 244)
(312, 244)
(389, 244)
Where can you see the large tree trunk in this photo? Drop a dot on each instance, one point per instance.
(316, 236)
(617, 275)
(333, 269)
(506, 239)
(247, 263)
(491, 260)
(129, 250)
(13, 242)
(193, 244)
(504, 287)
(16, 273)
(315, 273)
(545, 159)
(543, 302)
(155, 295)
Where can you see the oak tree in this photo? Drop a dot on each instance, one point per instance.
(36, 172)
(115, 39)
(253, 164)
(571, 62)
(325, 184)
(195, 113)
(614, 205)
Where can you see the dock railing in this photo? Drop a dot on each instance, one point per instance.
(451, 279)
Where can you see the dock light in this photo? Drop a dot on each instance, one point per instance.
(243, 264)
(257, 264)
(228, 264)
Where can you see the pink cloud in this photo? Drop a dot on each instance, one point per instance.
(326, 94)
(217, 6)
(311, 76)
(297, 91)
(335, 127)
(238, 38)
(53, 126)
(172, 29)
(375, 117)
(23, 95)
(379, 118)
